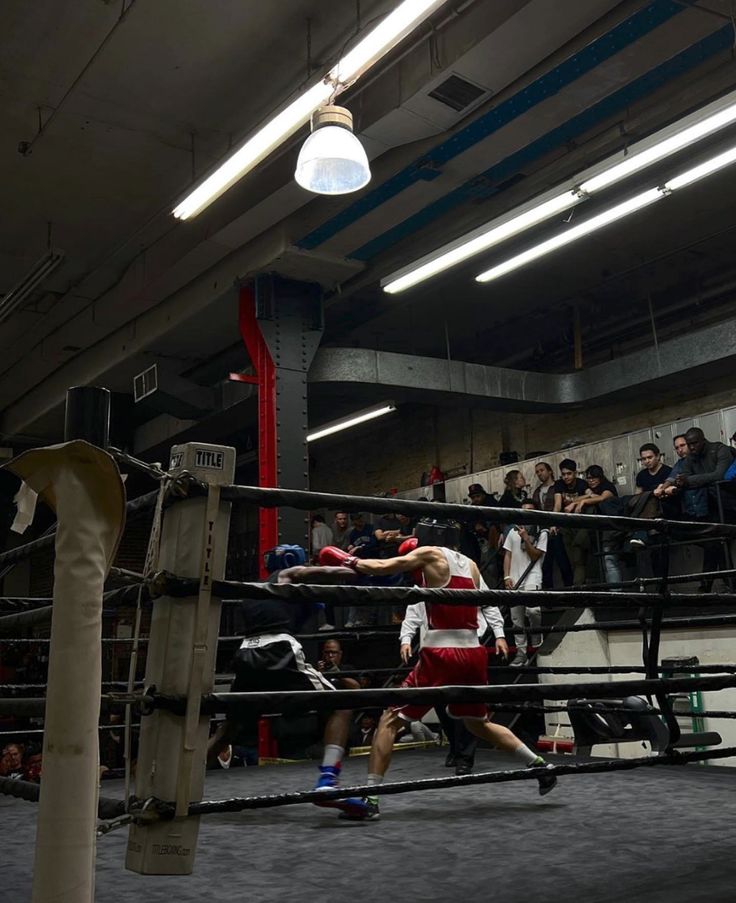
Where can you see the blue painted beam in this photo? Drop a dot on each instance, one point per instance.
(496, 179)
(429, 166)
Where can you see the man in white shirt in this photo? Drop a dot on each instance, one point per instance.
(522, 568)
(321, 535)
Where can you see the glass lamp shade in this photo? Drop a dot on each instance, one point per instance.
(332, 161)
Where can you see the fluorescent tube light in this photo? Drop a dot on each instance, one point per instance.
(635, 161)
(352, 420)
(487, 238)
(31, 282)
(638, 156)
(569, 235)
(386, 35)
(702, 170)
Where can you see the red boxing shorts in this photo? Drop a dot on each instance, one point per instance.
(448, 666)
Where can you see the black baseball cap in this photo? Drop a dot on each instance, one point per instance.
(476, 489)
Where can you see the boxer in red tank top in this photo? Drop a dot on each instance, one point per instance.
(450, 652)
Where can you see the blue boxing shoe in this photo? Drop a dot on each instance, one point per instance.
(360, 809)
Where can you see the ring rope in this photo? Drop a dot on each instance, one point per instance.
(307, 501)
(240, 804)
(290, 702)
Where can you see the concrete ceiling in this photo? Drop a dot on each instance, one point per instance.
(136, 100)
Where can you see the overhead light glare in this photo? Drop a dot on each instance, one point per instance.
(386, 35)
(701, 171)
(637, 160)
(569, 235)
(352, 420)
(379, 41)
(484, 240)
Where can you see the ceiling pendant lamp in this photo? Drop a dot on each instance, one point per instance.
(332, 160)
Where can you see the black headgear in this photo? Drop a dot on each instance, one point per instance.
(434, 532)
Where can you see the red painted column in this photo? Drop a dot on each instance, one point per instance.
(268, 534)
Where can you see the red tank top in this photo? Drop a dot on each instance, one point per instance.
(455, 617)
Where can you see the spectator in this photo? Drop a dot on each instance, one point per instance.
(388, 534)
(481, 536)
(544, 500)
(705, 464)
(11, 761)
(569, 488)
(321, 535)
(693, 503)
(112, 744)
(341, 530)
(732, 440)
(522, 566)
(360, 538)
(653, 472)
(515, 493)
(362, 733)
(601, 489)
(331, 663)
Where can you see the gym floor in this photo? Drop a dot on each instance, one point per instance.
(643, 836)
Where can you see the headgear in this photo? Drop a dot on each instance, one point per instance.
(284, 557)
(435, 532)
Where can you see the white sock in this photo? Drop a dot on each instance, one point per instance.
(333, 755)
(526, 755)
(375, 779)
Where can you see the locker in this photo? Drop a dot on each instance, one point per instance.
(729, 423)
(711, 425)
(663, 436)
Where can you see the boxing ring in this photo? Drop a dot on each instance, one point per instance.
(658, 831)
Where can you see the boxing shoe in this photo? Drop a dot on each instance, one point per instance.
(331, 556)
(329, 779)
(360, 809)
(547, 782)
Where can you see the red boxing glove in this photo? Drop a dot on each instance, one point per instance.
(408, 545)
(331, 556)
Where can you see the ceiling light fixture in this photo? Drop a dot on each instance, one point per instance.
(570, 235)
(332, 160)
(636, 157)
(378, 42)
(32, 280)
(345, 423)
(485, 238)
(701, 171)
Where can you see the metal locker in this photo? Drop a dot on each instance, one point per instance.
(711, 424)
(455, 489)
(729, 423)
(663, 437)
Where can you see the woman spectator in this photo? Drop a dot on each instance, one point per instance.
(515, 494)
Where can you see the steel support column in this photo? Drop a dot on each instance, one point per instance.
(281, 325)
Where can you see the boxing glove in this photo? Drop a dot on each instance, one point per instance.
(331, 556)
(408, 545)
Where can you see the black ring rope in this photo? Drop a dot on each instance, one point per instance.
(646, 581)
(388, 595)
(240, 804)
(307, 501)
(290, 702)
